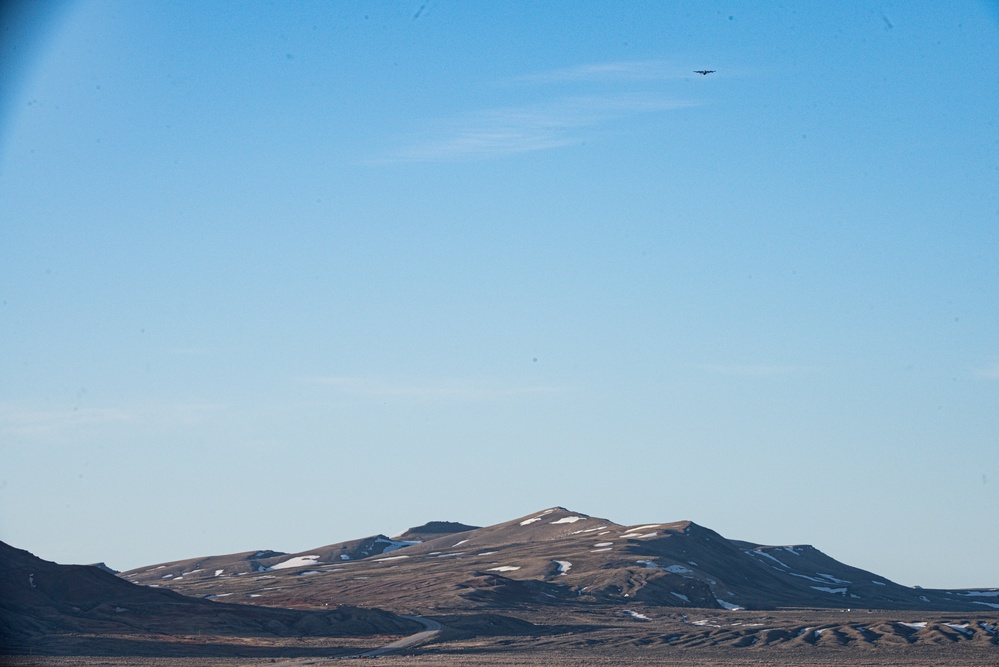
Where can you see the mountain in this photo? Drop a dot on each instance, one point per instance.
(40, 600)
(555, 557)
(434, 529)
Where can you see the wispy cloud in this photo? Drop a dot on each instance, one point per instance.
(447, 390)
(541, 126)
(25, 422)
(990, 373)
(754, 370)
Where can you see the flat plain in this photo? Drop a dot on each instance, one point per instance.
(604, 637)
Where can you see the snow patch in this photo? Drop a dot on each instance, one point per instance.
(31, 579)
(218, 572)
(758, 552)
(395, 544)
(297, 561)
(987, 604)
(604, 544)
(678, 569)
(728, 605)
(382, 560)
(504, 568)
(638, 529)
(531, 520)
(805, 576)
(878, 583)
(635, 615)
(563, 566)
(569, 519)
(826, 589)
(487, 553)
(458, 543)
(919, 625)
(981, 594)
(681, 596)
(609, 548)
(637, 536)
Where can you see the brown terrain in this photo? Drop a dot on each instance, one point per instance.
(549, 588)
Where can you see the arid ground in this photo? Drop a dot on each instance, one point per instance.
(606, 637)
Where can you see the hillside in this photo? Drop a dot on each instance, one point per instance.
(41, 601)
(554, 557)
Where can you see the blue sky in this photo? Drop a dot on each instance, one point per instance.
(278, 277)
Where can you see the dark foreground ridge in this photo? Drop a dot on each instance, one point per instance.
(40, 601)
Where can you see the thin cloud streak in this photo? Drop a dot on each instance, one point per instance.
(452, 390)
(61, 424)
(508, 131)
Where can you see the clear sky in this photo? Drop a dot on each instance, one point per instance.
(277, 275)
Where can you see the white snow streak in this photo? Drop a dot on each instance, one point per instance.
(395, 544)
(569, 519)
(297, 561)
(758, 552)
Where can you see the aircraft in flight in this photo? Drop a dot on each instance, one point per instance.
(705, 72)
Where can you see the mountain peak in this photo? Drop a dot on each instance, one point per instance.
(432, 530)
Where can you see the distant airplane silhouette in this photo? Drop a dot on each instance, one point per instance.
(705, 72)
